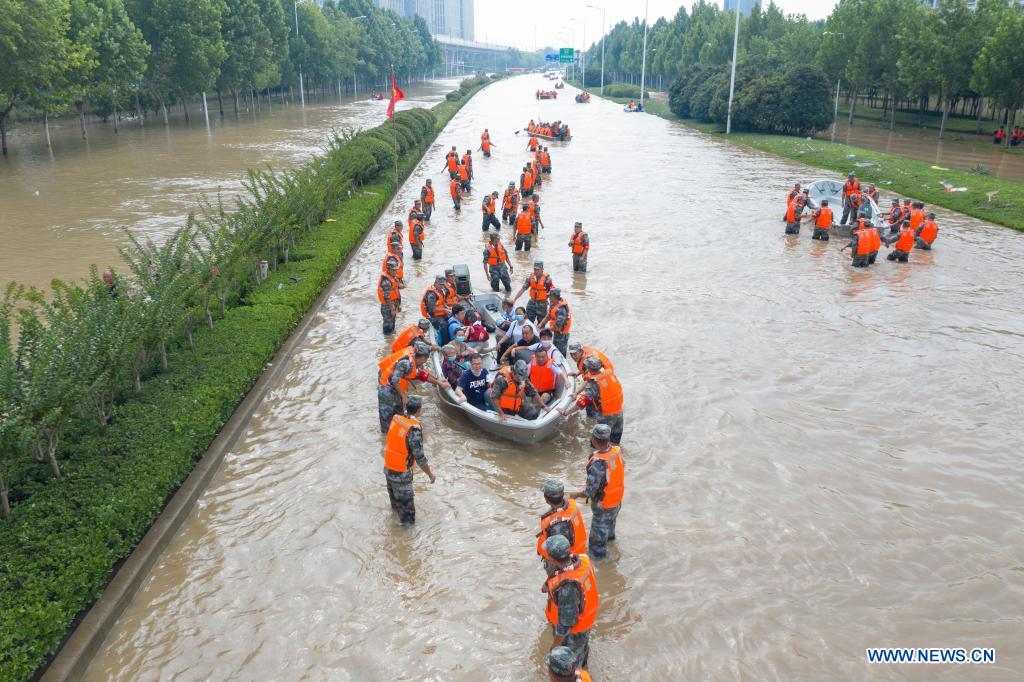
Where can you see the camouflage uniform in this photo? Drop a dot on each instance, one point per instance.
(537, 310)
(416, 241)
(568, 599)
(528, 410)
(602, 524)
(389, 403)
(614, 421)
(498, 273)
(386, 314)
(579, 260)
(428, 208)
(561, 339)
(400, 484)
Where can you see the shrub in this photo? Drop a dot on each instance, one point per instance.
(625, 90)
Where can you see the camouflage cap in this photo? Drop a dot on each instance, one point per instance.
(561, 661)
(423, 324)
(415, 402)
(557, 547)
(538, 265)
(421, 349)
(601, 432)
(592, 364)
(449, 271)
(521, 369)
(575, 347)
(556, 292)
(439, 279)
(553, 488)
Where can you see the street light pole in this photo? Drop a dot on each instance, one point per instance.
(732, 78)
(604, 32)
(643, 63)
(302, 92)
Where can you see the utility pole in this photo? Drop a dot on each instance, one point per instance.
(732, 79)
(302, 92)
(604, 32)
(643, 63)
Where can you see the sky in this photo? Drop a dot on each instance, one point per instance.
(517, 23)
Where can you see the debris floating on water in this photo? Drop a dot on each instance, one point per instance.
(991, 194)
(938, 168)
(865, 164)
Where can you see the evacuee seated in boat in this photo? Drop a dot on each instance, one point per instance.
(450, 366)
(528, 337)
(473, 386)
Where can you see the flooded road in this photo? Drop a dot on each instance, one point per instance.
(819, 459)
(959, 151)
(61, 214)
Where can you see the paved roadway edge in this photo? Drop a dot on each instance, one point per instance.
(87, 636)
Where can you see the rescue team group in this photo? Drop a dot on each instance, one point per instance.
(518, 389)
(909, 226)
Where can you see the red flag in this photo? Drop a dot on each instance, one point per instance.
(396, 95)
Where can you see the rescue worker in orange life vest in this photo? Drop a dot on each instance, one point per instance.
(573, 599)
(601, 396)
(451, 163)
(903, 244)
(488, 208)
(823, 219)
(545, 161)
(562, 666)
(579, 243)
(895, 217)
(559, 320)
(510, 204)
(794, 212)
(427, 200)
(538, 284)
(393, 376)
(872, 193)
(396, 241)
(413, 334)
(389, 295)
(513, 394)
(864, 244)
(455, 189)
(851, 199)
(403, 446)
(926, 233)
(605, 486)
(497, 266)
(525, 227)
(562, 518)
(417, 233)
(792, 194)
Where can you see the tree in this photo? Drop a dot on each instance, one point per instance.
(999, 69)
(249, 48)
(34, 52)
(186, 42)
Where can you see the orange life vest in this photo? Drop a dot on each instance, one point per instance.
(587, 352)
(392, 233)
(577, 242)
(496, 254)
(407, 337)
(524, 223)
(916, 218)
(581, 674)
(453, 162)
(851, 188)
(453, 187)
(428, 195)
(906, 240)
(527, 180)
(542, 376)
(793, 194)
(451, 297)
(512, 399)
(487, 207)
(400, 272)
(581, 573)
(417, 223)
(553, 315)
(485, 145)
(868, 240)
(614, 486)
(510, 199)
(571, 515)
(440, 309)
(394, 294)
(467, 161)
(895, 215)
(396, 452)
(545, 159)
(929, 231)
(463, 173)
(387, 364)
(533, 143)
(539, 287)
(824, 220)
(797, 204)
(611, 391)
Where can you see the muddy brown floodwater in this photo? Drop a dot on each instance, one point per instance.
(819, 459)
(60, 214)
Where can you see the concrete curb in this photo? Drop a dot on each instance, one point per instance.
(78, 650)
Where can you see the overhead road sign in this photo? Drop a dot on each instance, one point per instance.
(565, 55)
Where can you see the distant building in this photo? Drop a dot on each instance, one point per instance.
(970, 3)
(450, 18)
(745, 6)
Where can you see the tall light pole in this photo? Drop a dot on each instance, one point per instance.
(732, 78)
(604, 32)
(643, 63)
(302, 92)
(835, 111)
(584, 63)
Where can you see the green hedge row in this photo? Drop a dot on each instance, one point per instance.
(58, 550)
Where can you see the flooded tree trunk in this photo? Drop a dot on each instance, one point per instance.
(116, 131)
(184, 108)
(81, 118)
(46, 127)
(220, 103)
(235, 94)
(945, 118)
(138, 110)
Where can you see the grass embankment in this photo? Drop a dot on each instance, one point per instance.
(890, 172)
(65, 536)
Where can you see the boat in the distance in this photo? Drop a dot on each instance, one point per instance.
(546, 94)
(833, 191)
(515, 428)
(536, 132)
(583, 98)
(559, 85)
